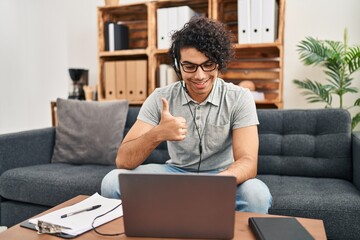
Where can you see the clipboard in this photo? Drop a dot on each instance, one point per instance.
(27, 224)
(53, 223)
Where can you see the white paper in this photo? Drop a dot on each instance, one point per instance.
(81, 222)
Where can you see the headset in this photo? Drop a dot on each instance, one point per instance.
(176, 65)
(175, 52)
(176, 60)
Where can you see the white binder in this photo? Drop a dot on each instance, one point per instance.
(111, 31)
(256, 16)
(162, 75)
(162, 28)
(172, 24)
(243, 21)
(171, 76)
(269, 20)
(184, 14)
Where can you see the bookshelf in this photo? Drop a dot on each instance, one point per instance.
(261, 63)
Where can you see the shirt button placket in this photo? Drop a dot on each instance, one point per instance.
(198, 117)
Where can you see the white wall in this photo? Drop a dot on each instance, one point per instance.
(41, 39)
(322, 19)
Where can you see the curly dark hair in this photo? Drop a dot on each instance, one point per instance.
(208, 36)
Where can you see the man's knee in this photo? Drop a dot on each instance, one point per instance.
(110, 185)
(253, 196)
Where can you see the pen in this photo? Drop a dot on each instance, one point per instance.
(80, 211)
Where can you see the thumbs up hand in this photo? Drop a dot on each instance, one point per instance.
(173, 128)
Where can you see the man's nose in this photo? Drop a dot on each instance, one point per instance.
(200, 74)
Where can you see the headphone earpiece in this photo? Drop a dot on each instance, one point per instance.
(176, 65)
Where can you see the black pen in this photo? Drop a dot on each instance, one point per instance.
(80, 211)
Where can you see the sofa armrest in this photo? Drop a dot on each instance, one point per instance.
(356, 158)
(26, 148)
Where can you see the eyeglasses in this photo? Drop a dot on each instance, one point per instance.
(192, 67)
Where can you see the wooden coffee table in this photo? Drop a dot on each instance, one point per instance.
(242, 230)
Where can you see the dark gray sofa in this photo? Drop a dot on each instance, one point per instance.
(309, 159)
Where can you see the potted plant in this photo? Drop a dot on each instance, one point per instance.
(339, 62)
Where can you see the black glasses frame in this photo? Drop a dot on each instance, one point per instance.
(197, 66)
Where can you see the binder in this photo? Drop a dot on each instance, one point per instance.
(121, 36)
(141, 79)
(111, 38)
(171, 76)
(170, 20)
(275, 228)
(184, 14)
(243, 21)
(110, 81)
(106, 35)
(120, 67)
(269, 20)
(172, 24)
(256, 21)
(163, 75)
(162, 28)
(131, 80)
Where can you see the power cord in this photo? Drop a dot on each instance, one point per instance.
(106, 234)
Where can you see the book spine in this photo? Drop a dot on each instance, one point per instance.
(255, 229)
(121, 35)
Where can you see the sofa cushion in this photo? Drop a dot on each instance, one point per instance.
(335, 201)
(89, 132)
(314, 143)
(51, 184)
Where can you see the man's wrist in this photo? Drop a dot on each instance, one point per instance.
(228, 172)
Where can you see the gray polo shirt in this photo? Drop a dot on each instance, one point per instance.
(227, 107)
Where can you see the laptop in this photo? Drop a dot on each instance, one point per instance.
(178, 205)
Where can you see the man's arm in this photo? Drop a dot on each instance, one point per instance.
(143, 138)
(245, 143)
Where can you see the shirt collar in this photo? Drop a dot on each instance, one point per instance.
(213, 98)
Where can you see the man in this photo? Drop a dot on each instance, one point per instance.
(210, 126)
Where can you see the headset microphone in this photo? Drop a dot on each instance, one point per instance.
(200, 135)
(183, 86)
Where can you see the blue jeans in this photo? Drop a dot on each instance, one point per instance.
(251, 196)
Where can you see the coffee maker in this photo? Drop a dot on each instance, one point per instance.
(80, 78)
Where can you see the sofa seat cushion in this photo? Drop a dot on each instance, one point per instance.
(51, 184)
(335, 201)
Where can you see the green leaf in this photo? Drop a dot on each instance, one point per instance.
(355, 121)
(351, 90)
(352, 58)
(357, 102)
(339, 62)
(311, 51)
(315, 92)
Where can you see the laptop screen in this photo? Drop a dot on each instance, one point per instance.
(178, 205)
